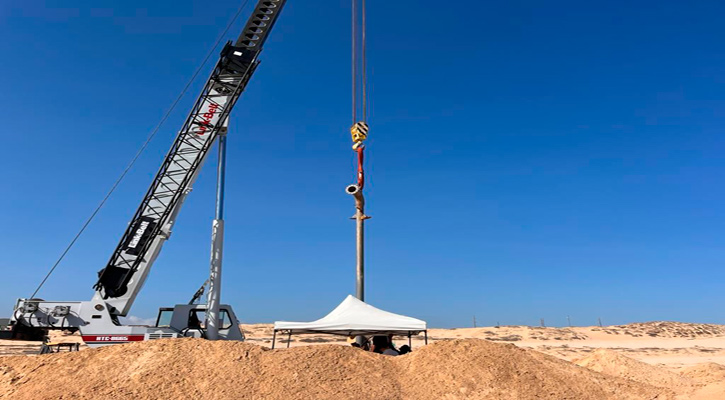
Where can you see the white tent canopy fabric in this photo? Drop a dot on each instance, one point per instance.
(354, 317)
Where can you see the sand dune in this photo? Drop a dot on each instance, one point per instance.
(674, 344)
(194, 368)
(612, 363)
(663, 360)
(705, 373)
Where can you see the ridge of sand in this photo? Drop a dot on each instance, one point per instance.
(195, 368)
(695, 351)
(700, 382)
(486, 370)
(670, 329)
(675, 344)
(705, 373)
(612, 363)
(710, 377)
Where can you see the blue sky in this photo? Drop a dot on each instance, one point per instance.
(527, 160)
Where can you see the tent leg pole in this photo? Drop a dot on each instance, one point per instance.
(426, 337)
(289, 338)
(274, 338)
(410, 341)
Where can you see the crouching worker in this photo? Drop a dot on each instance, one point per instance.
(353, 342)
(381, 345)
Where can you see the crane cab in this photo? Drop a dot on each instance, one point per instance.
(188, 320)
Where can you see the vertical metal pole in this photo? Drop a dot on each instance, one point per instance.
(359, 217)
(274, 338)
(217, 245)
(360, 268)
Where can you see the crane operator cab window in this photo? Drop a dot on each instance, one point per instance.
(164, 319)
(224, 321)
(197, 319)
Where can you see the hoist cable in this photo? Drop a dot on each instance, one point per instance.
(359, 83)
(141, 150)
(354, 61)
(359, 61)
(363, 66)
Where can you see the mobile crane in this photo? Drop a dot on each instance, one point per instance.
(120, 281)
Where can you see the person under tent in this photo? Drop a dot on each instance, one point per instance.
(382, 345)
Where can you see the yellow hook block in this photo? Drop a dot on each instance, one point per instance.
(359, 131)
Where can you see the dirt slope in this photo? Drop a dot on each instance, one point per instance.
(612, 363)
(192, 368)
(705, 373)
(479, 369)
(699, 382)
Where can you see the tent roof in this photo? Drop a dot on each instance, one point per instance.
(354, 317)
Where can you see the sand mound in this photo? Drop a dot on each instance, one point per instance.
(711, 379)
(705, 373)
(512, 333)
(672, 329)
(483, 370)
(538, 333)
(612, 363)
(193, 368)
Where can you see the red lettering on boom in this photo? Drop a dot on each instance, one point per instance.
(207, 119)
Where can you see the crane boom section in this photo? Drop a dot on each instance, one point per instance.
(122, 278)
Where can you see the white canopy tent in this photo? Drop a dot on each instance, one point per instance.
(354, 318)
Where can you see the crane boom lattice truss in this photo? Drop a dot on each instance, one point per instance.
(121, 279)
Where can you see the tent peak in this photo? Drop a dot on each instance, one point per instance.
(353, 317)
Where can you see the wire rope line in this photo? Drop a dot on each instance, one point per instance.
(354, 61)
(363, 66)
(359, 61)
(143, 147)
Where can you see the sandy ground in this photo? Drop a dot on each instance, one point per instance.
(22, 347)
(201, 369)
(672, 344)
(688, 359)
